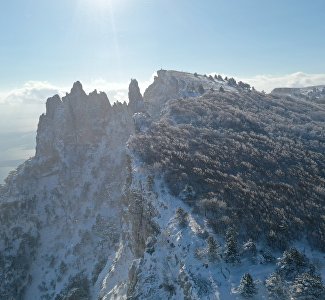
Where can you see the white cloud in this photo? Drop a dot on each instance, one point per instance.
(20, 108)
(298, 79)
(32, 92)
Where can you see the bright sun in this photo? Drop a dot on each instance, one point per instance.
(99, 3)
(97, 9)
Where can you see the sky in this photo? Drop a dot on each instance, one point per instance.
(45, 46)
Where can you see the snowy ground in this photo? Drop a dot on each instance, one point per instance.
(172, 269)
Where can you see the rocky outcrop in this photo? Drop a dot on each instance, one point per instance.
(127, 201)
(136, 103)
(78, 119)
(70, 193)
(71, 205)
(170, 85)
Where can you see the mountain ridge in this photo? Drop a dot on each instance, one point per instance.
(143, 200)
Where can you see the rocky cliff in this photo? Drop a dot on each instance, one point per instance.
(175, 195)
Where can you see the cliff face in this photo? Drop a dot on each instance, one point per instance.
(133, 201)
(61, 212)
(135, 98)
(76, 120)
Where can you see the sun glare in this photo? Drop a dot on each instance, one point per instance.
(98, 4)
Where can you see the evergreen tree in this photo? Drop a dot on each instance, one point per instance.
(247, 286)
(221, 89)
(181, 216)
(232, 82)
(188, 194)
(276, 288)
(308, 287)
(293, 263)
(244, 85)
(201, 89)
(213, 248)
(231, 252)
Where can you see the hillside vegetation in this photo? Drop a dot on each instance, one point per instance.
(246, 160)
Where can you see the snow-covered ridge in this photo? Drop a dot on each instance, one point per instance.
(169, 84)
(86, 218)
(311, 93)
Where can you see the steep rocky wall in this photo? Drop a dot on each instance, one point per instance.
(61, 209)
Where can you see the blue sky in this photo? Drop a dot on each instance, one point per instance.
(46, 45)
(62, 41)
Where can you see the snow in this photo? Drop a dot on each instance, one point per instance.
(174, 255)
(86, 181)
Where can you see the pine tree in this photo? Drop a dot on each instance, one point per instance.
(232, 82)
(308, 286)
(293, 263)
(247, 286)
(276, 288)
(213, 248)
(201, 89)
(231, 252)
(181, 216)
(212, 244)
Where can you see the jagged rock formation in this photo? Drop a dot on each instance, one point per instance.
(62, 204)
(78, 120)
(142, 200)
(136, 103)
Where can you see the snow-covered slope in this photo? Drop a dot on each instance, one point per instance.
(313, 93)
(170, 85)
(177, 261)
(93, 216)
